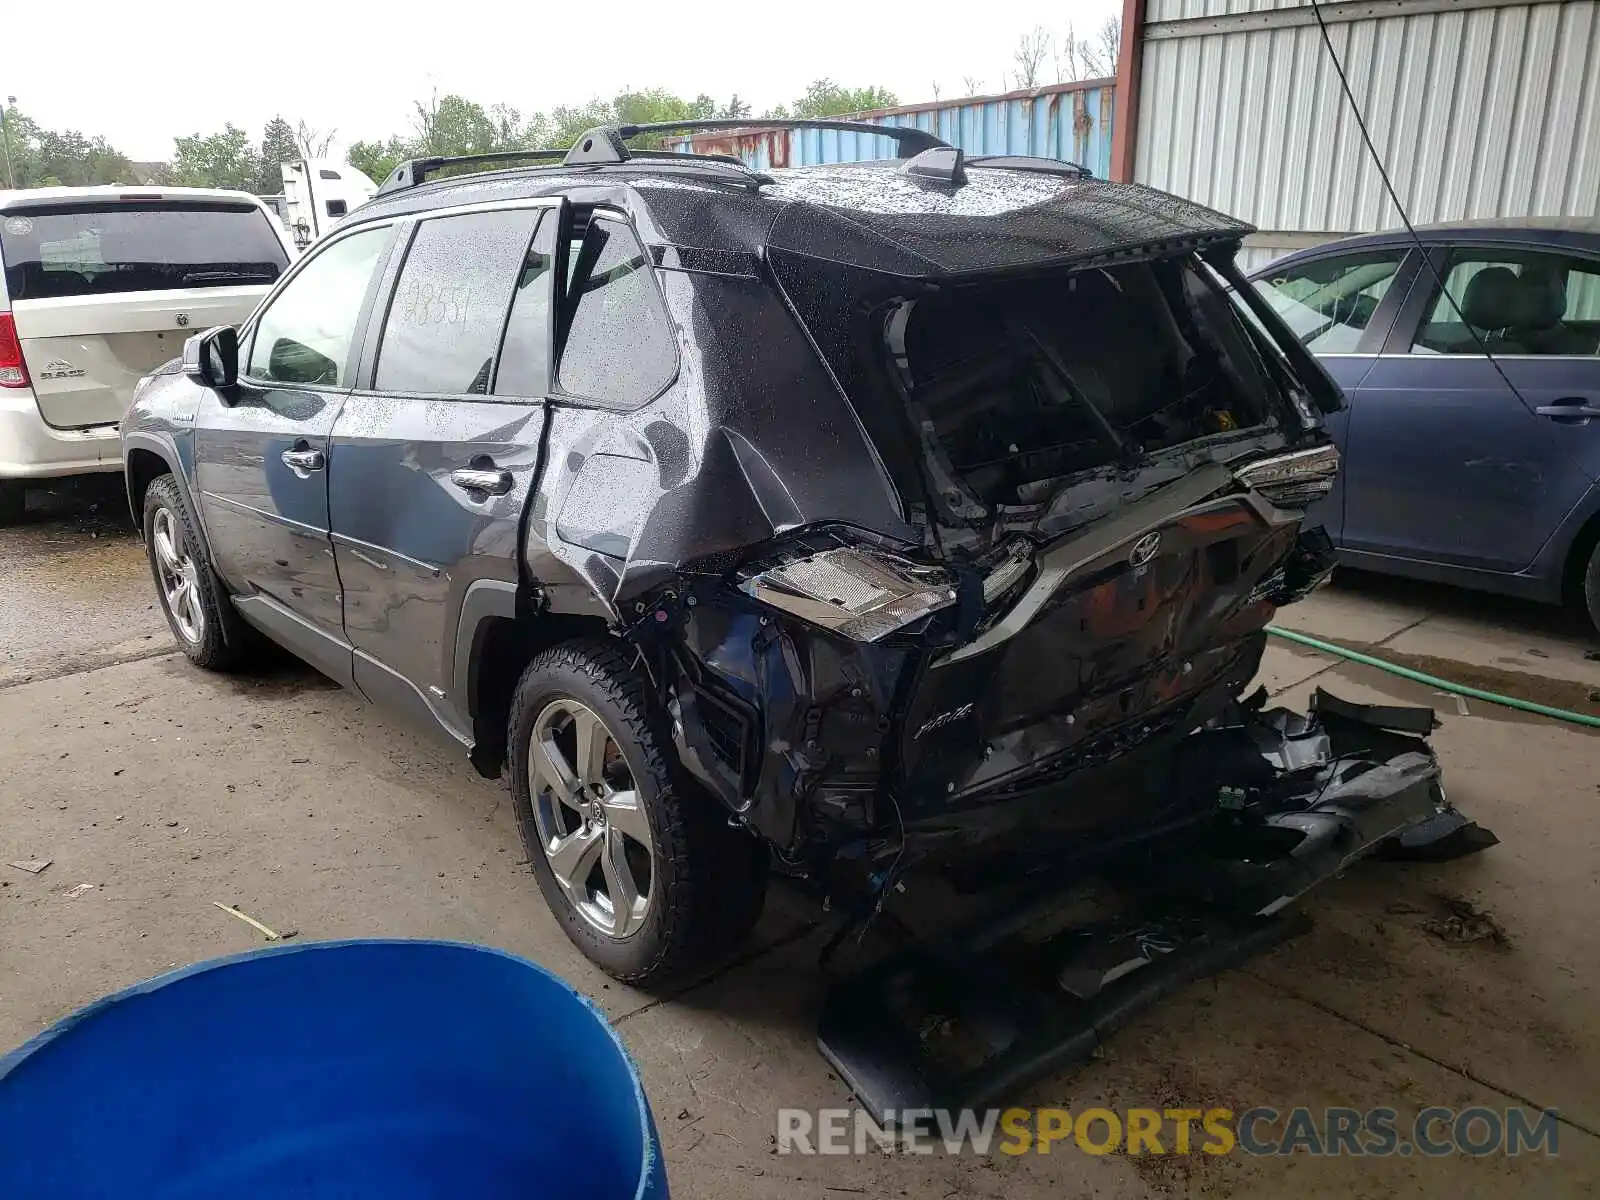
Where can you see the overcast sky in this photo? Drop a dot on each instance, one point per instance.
(142, 74)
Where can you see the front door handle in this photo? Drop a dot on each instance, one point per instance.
(1571, 408)
(303, 462)
(495, 483)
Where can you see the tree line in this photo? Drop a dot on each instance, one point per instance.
(452, 124)
(441, 125)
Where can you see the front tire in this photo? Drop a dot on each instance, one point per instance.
(205, 624)
(642, 870)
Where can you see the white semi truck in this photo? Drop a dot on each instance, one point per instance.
(317, 194)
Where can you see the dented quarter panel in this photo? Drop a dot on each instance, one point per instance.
(714, 466)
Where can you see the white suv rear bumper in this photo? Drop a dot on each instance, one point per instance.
(31, 449)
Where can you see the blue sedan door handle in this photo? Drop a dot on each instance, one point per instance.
(1575, 409)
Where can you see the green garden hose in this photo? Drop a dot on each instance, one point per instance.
(1433, 681)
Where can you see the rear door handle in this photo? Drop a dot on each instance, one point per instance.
(1573, 408)
(303, 462)
(495, 483)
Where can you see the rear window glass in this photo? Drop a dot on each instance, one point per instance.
(1017, 385)
(620, 349)
(93, 250)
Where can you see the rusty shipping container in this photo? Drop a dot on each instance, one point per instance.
(1071, 121)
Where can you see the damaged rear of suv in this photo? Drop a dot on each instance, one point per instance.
(909, 512)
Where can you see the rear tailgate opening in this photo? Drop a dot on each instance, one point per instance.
(1016, 387)
(1072, 436)
(104, 290)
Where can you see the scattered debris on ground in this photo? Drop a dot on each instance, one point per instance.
(74, 893)
(1463, 923)
(32, 865)
(272, 935)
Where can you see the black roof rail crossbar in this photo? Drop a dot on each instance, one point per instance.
(415, 170)
(604, 144)
(1032, 162)
(911, 139)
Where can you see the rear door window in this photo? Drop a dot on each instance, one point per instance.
(1514, 302)
(450, 303)
(58, 250)
(1329, 302)
(619, 349)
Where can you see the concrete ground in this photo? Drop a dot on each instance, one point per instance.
(168, 789)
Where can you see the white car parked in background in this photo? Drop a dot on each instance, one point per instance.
(100, 286)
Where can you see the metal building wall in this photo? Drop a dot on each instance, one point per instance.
(1479, 108)
(1068, 121)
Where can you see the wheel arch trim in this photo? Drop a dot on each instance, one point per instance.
(167, 451)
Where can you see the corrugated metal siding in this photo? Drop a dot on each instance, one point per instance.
(1066, 122)
(1255, 254)
(1182, 10)
(1493, 112)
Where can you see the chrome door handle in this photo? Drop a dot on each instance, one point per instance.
(302, 462)
(496, 483)
(1575, 407)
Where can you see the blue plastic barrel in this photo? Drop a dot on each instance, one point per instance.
(390, 1069)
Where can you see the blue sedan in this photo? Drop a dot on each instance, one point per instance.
(1459, 467)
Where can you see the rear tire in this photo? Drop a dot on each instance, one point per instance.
(1591, 587)
(203, 620)
(589, 833)
(13, 500)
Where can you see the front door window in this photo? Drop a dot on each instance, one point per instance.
(305, 335)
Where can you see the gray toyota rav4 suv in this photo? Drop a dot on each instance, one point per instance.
(837, 519)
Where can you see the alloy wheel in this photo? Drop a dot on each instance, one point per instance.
(590, 818)
(180, 576)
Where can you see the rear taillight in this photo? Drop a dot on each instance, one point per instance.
(855, 590)
(13, 371)
(1294, 480)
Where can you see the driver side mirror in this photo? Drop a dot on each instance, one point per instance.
(212, 358)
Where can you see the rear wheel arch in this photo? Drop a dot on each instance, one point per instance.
(494, 647)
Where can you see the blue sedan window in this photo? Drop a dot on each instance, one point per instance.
(1514, 302)
(1329, 301)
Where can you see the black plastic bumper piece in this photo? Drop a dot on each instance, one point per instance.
(1281, 801)
(952, 1028)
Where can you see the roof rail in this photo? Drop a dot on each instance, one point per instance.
(1024, 162)
(606, 144)
(912, 140)
(415, 170)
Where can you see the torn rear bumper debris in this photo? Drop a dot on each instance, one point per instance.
(969, 1018)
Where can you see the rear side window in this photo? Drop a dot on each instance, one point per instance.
(136, 246)
(450, 303)
(619, 348)
(524, 368)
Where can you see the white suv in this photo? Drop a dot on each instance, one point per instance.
(100, 286)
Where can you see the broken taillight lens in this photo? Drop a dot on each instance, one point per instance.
(13, 371)
(859, 592)
(1294, 480)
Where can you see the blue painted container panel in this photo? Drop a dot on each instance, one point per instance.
(1070, 122)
